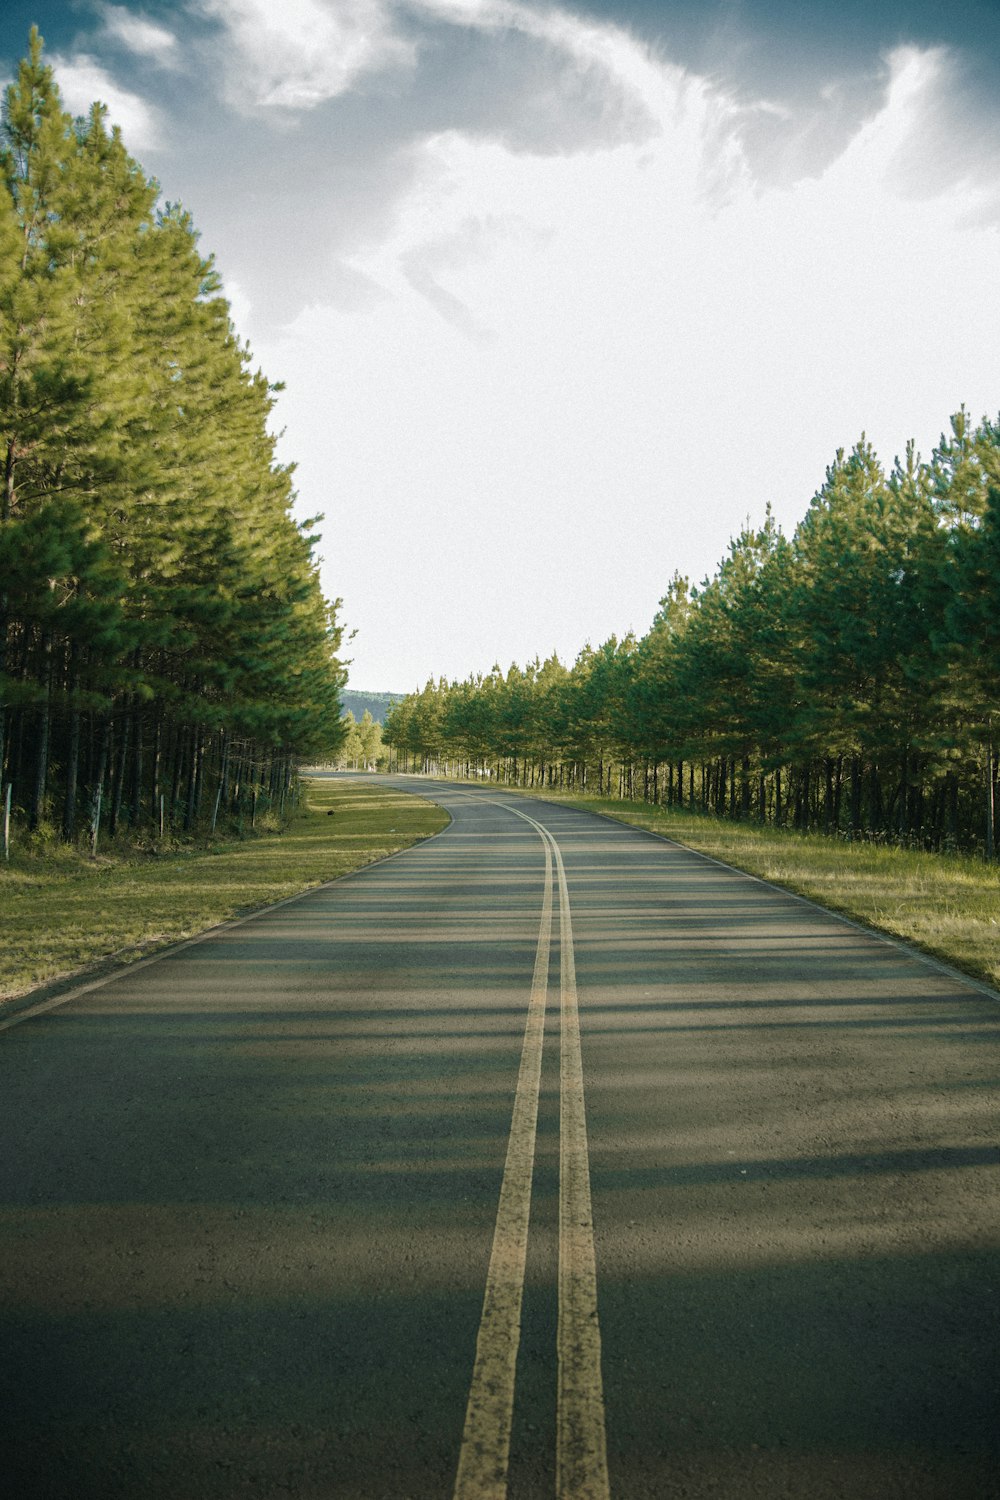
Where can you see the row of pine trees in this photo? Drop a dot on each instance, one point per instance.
(845, 679)
(362, 748)
(165, 649)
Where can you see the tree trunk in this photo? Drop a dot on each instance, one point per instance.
(37, 810)
(121, 771)
(3, 669)
(192, 782)
(137, 749)
(157, 763)
(98, 791)
(802, 799)
(952, 796)
(175, 764)
(876, 811)
(828, 794)
(990, 799)
(72, 775)
(6, 505)
(855, 795)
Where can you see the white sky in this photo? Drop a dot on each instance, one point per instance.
(529, 376)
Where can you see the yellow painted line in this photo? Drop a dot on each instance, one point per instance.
(581, 1444)
(485, 1452)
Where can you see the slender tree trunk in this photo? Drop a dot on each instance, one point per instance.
(917, 800)
(178, 743)
(192, 786)
(72, 755)
(236, 780)
(37, 810)
(97, 796)
(199, 773)
(3, 668)
(137, 757)
(990, 798)
(157, 762)
(224, 769)
(802, 799)
(121, 771)
(875, 800)
(855, 795)
(6, 507)
(828, 793)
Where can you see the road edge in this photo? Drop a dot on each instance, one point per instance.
(53, 993)
(971, 981)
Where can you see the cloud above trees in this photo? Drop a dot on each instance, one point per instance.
(513, 260)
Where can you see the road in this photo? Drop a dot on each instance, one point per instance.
(265, 1201)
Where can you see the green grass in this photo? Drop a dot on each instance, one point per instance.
(61, 911)
(948, 905)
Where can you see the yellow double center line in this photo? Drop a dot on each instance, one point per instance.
(581, 1456)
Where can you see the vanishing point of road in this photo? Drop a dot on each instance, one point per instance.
(546, 1158)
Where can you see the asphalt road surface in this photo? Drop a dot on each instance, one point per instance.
(265, 1201)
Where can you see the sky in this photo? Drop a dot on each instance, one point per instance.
(562, 296)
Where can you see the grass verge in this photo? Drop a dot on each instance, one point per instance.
(63, 912)
(947, 905)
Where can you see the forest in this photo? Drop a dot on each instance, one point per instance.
(357, 703)
(165, 649)
(845, 679)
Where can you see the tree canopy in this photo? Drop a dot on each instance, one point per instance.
(845, 678)
(164, 642)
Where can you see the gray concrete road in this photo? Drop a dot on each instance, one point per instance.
(262, 1201)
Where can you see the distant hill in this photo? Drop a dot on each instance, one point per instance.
(377, 704)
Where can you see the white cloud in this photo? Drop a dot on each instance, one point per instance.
(82, 81)
(140, 35)
(663, 362)
(617, 65)
(952, 138)
(350, 289)
(293, 57)
(426, 265)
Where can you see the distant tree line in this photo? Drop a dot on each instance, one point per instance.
(845, 679)
(377, 704)
(165, 649)
(361, 748)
